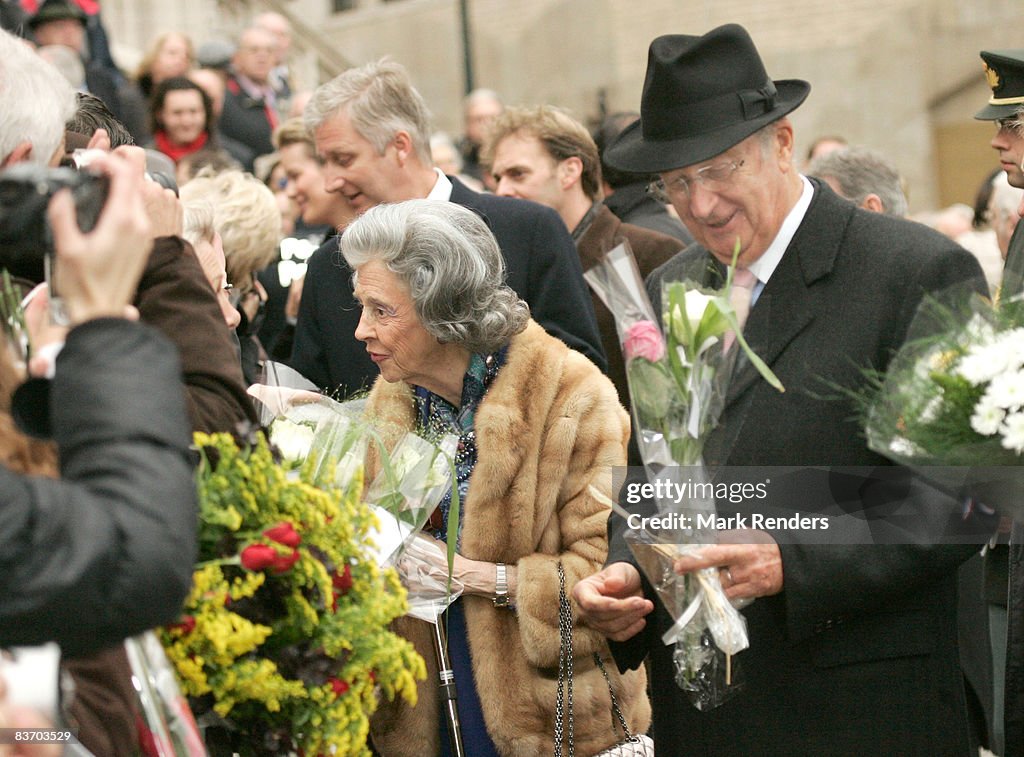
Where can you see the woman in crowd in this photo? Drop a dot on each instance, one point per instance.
(171, 54)
(540, 429)
(199, 231)
(246, 217)
(182, 121)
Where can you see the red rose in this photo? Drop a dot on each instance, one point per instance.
(284, 533)
(343, 581)
(185, 626)
(284, 563)
(339, 686)
(258, 557)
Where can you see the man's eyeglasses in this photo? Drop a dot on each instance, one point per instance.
(713, 178)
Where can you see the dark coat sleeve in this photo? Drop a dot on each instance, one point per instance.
(309, 354)
(107, 550)
(325, 349)
(559, 297)
(175, 298)
(916, 530)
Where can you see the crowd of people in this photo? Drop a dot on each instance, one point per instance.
(446, 279)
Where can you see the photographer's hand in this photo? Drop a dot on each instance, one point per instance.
(165, 212)
(98, 272)
(100, 141)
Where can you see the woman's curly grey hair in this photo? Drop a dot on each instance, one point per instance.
(451, 263)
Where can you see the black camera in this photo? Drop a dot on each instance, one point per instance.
(25, 192)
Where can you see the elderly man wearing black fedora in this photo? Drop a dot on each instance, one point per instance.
(852, 646)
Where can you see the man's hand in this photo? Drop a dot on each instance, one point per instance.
(163, 208)
(97, 273)
(612, 602)
(747, 570)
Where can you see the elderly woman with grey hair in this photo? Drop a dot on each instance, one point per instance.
(540, 428)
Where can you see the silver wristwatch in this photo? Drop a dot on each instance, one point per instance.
(501, 598)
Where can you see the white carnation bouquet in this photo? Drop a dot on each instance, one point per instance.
(952, 402)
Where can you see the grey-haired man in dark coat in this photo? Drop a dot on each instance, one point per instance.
(852, 646)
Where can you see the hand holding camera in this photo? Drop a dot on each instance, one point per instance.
(99, 270)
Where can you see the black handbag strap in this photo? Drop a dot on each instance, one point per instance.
(564, 723)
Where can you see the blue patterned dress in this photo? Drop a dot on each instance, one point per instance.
(437, 415)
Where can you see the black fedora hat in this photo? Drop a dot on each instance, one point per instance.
(56, 10)
(702, 95)
(1004, 71)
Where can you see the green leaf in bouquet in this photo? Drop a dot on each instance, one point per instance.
(730, 315)
(713, 324)
(762, 367)
(454, 516)
(651, 389)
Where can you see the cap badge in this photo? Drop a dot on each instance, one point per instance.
(992, 76)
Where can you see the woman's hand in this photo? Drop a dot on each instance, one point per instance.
(426, 558)
(479, 577)
(291, 307)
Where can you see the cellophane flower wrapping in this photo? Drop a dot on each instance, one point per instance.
(951, 404)
(678, 372)
(169, 728)
(412, 481)
(310, 428)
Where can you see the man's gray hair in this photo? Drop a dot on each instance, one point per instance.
(450, 261)
(380, 100)
(1018, 119)
(481, 94)
(859, 172)
(35, 101)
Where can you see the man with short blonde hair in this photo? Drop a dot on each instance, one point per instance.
(372, 132)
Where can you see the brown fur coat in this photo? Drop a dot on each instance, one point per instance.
(549, 428)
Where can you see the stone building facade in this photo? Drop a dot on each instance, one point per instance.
(902, 76)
